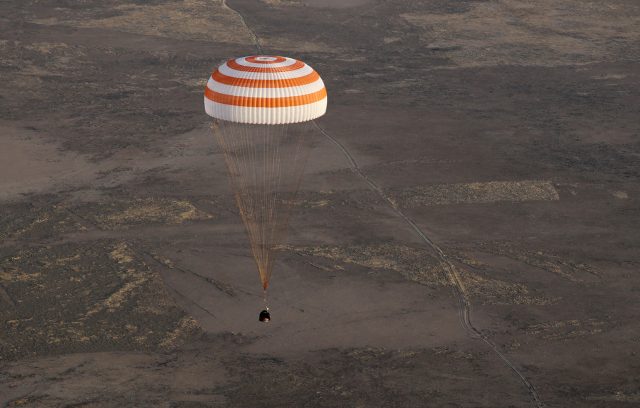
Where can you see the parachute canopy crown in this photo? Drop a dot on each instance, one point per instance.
(265, 90)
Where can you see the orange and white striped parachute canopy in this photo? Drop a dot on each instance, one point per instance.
(265, 89)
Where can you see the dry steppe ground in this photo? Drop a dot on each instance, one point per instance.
(508, 131)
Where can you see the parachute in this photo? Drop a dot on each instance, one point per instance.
(262, 108)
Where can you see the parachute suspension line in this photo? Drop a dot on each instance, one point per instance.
(267, 193)
(264, 208)
(266, 302)
(276, 173)
(265, 165)
(253, 194)
(252, 172)
(236, 146)
(299, 163)
(252, 144)
(268, 197)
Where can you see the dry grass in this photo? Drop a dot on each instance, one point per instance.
(499, 292)
(185, 329)
(121, 214)
(566, 329)
(414, 264)
(565, 268)
(419, 265)
(474, 193)
(617, 397)
(88, 297)
(37, 222)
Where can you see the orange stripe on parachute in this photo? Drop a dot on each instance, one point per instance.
(265, 83)
(249, 102)
(234, 65)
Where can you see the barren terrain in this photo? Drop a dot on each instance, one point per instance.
(477, 157)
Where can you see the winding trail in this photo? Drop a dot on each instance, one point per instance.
(254, 36)
(464, 306)
(459, 291)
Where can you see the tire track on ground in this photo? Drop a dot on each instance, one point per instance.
(254, 36)
(150, 259)
(464, 306)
